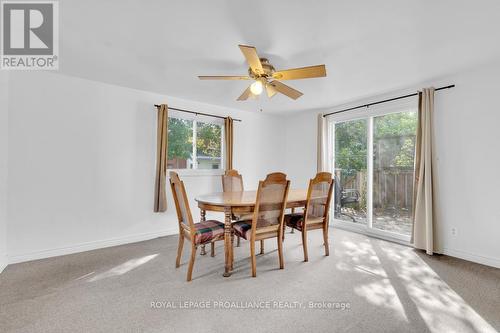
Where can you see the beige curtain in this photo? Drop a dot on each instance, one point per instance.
(228, 139)
(423, 228)
(160, 204)
(323, 158)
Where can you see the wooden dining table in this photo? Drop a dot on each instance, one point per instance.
(238, 203)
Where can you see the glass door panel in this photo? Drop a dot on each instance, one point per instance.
(393, 171)
(351, 171)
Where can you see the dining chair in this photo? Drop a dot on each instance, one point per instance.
(232, 181)
(267, 220)
(200, 233)
(315, 214)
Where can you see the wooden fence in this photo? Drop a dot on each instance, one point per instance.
(392, 187)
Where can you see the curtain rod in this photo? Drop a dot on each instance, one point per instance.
(384, 101)
(197, 113)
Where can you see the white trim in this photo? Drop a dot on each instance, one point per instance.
(373, 232)
(223, 147)
(359, 228)
(88, 246)
(488, 261)
(369, 173)
(3, 263)
(198, 172)
(195, 145)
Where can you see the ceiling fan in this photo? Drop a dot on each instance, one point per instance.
(265, 76)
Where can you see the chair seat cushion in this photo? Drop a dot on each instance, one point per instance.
(295, 220)
(243, 229)
(207, 231)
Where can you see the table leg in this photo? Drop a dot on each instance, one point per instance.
(203, 215)
(232, 249)
(227, 242)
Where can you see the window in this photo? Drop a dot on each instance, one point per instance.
(374, 166)
(208, 146)
(194, 143)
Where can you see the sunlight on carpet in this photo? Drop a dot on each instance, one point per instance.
(409, 277)
(123, 268)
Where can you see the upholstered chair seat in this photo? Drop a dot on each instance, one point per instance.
(208, 231)
(295, 220)
(242, 229)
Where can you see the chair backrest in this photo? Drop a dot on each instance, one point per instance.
(232, 181)
(319, 195)
(181, 203)
(270, 203)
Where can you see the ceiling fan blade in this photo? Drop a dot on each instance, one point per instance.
(252, 58)
(224, 77)
(301, 73)
(247, 93)
(286, 90)
(271, 90)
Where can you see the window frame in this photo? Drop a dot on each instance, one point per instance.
(407, 105)
(194, 172)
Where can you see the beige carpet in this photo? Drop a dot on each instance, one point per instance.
(384, 287)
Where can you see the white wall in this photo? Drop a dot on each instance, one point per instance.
(82, 162)
(4, 77)
(467, 120)
(300, 149)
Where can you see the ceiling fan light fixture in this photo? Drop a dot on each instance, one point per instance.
(266, 77)
(257, 87)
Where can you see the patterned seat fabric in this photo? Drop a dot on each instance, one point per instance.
(295, 220)
(243, 229)
(206, 231)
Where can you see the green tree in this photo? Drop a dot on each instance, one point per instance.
(180, 138)
(350, 146)
(394, 134)
(405, 158)
(208, 139)
(351, 141)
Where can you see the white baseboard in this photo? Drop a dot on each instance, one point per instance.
(3, 263)
(488, 261)
(88, 246)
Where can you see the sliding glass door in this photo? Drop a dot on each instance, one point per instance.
(393, 171)
(374, 171)
(351, 170)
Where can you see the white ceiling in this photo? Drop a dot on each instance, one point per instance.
(369, 47)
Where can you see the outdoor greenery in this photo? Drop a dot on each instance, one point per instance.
(180, 139)
(393, 150)
(405, 158)
(395, 132)
(208, 139)
(351, 146)
(394, 140)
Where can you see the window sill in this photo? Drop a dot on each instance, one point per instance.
(198, 172)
